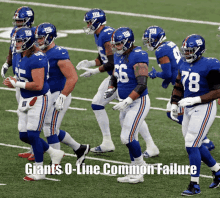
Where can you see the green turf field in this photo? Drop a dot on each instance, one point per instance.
(82, 125)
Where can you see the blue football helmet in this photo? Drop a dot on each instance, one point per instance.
(153, 36)
(48, 31)
(122, 35)
(192, 48)
(25, 15)
(26, 36)
(96, 17)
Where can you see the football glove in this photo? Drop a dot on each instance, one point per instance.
(4, 69)
(122, 105)
(85, 64)
(165, 83)
(189, 101)
(60, 102)
(153, 73)
(174, 112)
(89, 72)
(109, 93)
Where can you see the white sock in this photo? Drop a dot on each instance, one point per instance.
(195, 179)
(55, 145)
(106, 139)
(50, 150)
(70, 142)
(215, 168)
(139, 160)
(103, 121)
(144, 131)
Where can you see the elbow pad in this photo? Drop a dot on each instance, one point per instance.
(113, 81)
(142, 84)
(109, 66)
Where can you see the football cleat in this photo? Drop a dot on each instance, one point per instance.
(31, 157)
(151, 153)
(216, 180)
(103, 148)
(34, 177)
(193, 189)
(132, 179)
(81, 152)
(24, 155)
(210, 145)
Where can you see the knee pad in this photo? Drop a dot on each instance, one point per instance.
(97, 107)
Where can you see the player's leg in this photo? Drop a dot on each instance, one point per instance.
(64, 137)
(135, 115)
(98, 106)
(35, 120)
(49, 127)
(152, 149)
(206, 142)
(201, 119)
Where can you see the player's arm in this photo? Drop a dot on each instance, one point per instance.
(141, 74)
(7, 64)
(178, 90)
(112, 86)
(166, 68)
(68, 70)
(36, 85)
(109, 66)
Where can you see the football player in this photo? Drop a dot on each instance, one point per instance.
(169, 60)
(96, 21)
(31, 77)
(23, 17)
(196, 88)
(130, 79)
(62, 80)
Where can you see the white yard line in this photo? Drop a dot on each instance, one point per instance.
(52, 179)
(111, 12)
(3, 184)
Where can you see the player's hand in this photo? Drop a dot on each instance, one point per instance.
(153, 73)
(4, 69)
(219, 101)
(60, 102)
(85, 64)
(89, 72)
(189, 101)
(10, 82)
(122, 105)
(174, 112)
(165, 83)
(109, 92)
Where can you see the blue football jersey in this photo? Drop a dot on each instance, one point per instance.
(23, 72)
(56, 79)
(170, 50)
(16, 57)
(193, 76)
(13, 42)
(100, 40)
(124, 71)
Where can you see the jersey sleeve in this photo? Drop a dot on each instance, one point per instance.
(61, 54)
(141, 57)
(107, 35)
(162, 51)
(39, 62)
